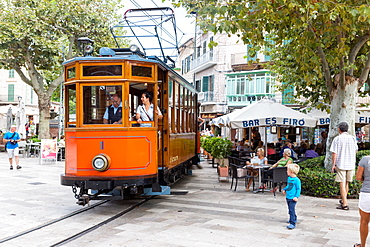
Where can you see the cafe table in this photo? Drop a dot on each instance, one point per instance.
(260, 169)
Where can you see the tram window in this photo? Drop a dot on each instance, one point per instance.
(71, 73)
(102, 70)
(71, 105)
(141, 71)
(176, 108)
(102, 104)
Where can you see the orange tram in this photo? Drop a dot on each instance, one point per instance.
(124, 157)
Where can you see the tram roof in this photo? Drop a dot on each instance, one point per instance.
(124, 57)
(152, 59)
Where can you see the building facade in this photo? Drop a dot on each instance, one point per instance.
(226, 77)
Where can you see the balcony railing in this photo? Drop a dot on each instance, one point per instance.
(206, 96)
(244, 100)
(204, 61)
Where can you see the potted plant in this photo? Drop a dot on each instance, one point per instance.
(221, 148)
(206, 144)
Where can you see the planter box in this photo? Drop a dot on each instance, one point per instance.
(223, 171)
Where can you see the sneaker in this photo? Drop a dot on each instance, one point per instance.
(18, 167)
(11, 167)
(290, 227)
(294, 221)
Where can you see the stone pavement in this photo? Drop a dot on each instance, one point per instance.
(208, 215)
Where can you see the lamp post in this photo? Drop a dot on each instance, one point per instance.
(19, 101)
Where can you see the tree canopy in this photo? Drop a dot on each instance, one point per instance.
(319, 47)
(37, 36)
(309, 41)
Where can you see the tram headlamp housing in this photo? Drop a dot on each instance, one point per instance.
(85, 46)
(134, 48)
(88, 49)
(101, 162)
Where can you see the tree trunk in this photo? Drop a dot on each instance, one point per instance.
(44, 105)
(343, 109)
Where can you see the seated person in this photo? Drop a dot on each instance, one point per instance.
(259, 145)
(113, 113)
(254, 172)
(270, 149)
(311, 153)
(303, 148)
(145, 111)
(286, 160)
(289, 146)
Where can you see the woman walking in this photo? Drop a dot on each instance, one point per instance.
(363, 174)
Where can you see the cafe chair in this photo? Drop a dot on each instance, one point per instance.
(279, 177)
(235, 176)
(22, 148)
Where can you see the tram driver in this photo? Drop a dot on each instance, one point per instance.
(113, 113)
(145, 111)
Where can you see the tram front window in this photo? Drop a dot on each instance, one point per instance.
(102, 104)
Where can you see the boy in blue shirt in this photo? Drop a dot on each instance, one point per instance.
(292, 191)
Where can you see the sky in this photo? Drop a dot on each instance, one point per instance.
(185, 25)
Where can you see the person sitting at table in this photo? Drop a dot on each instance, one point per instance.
(311, 153)
(270, 149)
(259, 145)
(286, 160)
(254, 172)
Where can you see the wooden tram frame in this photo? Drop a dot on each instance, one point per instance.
(140, 157)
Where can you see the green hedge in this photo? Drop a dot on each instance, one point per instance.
(316, 181)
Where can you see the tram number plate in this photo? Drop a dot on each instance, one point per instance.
(96, 185)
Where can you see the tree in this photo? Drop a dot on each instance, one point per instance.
(36, 36)
(320, 47)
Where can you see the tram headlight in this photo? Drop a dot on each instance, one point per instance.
(101, 162)
(88, 49)
(134, 48)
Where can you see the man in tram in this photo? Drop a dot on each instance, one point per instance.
(113, 113)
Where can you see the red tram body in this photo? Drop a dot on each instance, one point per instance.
(119, 160)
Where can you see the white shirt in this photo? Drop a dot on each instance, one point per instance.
(345, 147)
(147, 115)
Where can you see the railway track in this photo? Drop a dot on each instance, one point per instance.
(74, 225)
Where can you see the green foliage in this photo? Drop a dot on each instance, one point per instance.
(219, 148)
(316, 181)
(35, 138)
(37, 36)
(309, 42)
(205, 143)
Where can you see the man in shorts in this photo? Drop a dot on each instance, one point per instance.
(12, 139)
(343, 148)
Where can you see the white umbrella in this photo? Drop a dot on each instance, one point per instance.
(323, 118)
(9, 119)
(21, 121)
(225, 119)
(269, 113)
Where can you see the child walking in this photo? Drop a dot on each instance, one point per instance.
(292, 191)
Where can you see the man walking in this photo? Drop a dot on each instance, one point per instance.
(343, 148)
(12, 139)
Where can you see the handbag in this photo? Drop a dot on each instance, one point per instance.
(241, 172)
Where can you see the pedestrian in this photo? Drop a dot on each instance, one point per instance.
(343, 148)
(12, 138)
(292, 191)
(363, 174)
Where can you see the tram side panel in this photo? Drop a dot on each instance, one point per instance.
(132, 153)
(181, 148)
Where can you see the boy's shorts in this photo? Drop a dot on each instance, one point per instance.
(13, 152)
(344, 175)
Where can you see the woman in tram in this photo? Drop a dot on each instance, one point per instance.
(145, 112)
